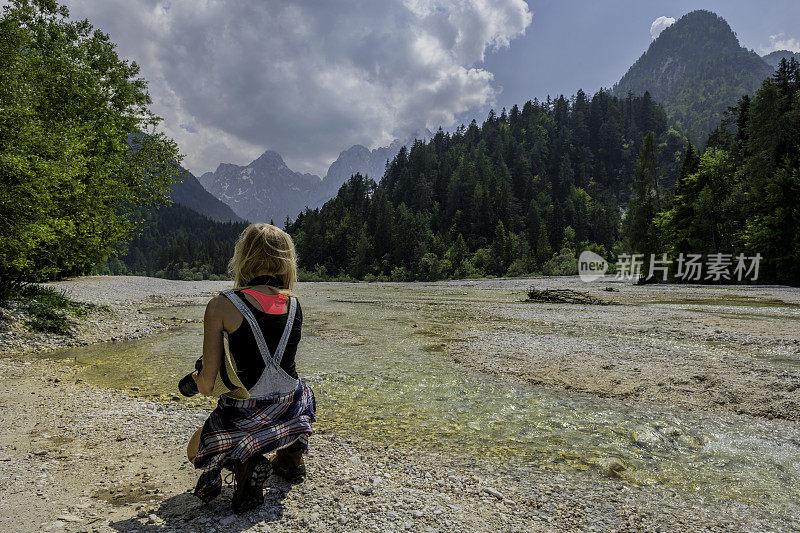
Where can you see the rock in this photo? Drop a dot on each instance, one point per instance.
(611, 466)
(364, 490)
(227, 520)
(646, 437)
(69, 518)
(491, 492)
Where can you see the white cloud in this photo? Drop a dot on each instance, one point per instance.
(659, 25)
(780, 41)
(307, 79)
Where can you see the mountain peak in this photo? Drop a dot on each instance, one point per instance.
(422, 134)
(702, 30)
(355, 149)
(270, 157)
(697, 56)
(694, 38)
(774, 58)
(268, 189)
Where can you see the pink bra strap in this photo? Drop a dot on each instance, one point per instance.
(272, 304)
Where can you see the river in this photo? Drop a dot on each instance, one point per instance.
(378, 360)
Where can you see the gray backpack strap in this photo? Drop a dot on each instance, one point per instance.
(251, 319)
(274, 381)
(286, 331)
(259, 336)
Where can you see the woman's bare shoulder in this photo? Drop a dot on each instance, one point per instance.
(219, 305)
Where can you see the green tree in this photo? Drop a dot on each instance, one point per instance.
(700, 220)
(644, 204)
(78, 148)
(676, 224)
(771, 173)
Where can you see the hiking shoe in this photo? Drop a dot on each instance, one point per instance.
(288, 463)
(292, 474)
(249, 479)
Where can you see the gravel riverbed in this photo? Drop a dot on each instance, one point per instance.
(74, 457)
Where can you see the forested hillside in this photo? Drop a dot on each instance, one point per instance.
(742, 194)
(696, 68)
(177, 243)
(498, 198)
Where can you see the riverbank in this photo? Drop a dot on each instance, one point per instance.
(733, 349)
(115, 310)
(76, 457)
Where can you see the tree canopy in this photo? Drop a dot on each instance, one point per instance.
(79, 152)
(743, 193)
(508, 196)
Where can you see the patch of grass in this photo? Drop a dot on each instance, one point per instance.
(48, 309)
(48, 319)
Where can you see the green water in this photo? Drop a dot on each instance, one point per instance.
(378, 371)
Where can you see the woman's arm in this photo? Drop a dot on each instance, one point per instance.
(212, 347)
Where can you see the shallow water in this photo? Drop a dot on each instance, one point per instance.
(377, 367)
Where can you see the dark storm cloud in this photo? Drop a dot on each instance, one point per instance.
(307, 79)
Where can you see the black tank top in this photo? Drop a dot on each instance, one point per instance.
(244, 349)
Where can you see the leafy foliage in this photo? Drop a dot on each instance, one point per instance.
(495, 199)
(70, 181)
(743, 193)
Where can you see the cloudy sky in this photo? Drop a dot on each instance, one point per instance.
(309, 79)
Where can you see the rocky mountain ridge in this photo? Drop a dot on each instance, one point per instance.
(268, 190)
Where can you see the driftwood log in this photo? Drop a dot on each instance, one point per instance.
(563, 296)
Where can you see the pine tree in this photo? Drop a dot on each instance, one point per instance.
(771, 173)
(642, 232)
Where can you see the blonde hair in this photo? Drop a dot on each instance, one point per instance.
(263, 249)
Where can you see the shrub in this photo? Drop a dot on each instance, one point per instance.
(564, 263)
(47, 309)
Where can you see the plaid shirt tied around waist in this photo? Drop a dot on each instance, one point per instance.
(242, 429)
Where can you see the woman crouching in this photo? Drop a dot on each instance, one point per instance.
(265, 407)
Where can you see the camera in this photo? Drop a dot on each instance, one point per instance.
(187, 385)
